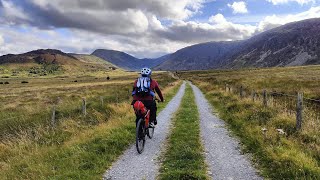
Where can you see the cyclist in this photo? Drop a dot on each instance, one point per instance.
(144, 90)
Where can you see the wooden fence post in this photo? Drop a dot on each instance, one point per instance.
(101, 100)
(129, 94)
(265, 98)
(253, 95)
(84, 106)
(117, 97)
(299, 111)
(241, 92)
(53, 117)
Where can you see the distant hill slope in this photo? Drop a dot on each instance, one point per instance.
(292, 44)
(289, 45)
(127, 61)
(94, 60)
(43, 62)
(49, 56)
(200, 56)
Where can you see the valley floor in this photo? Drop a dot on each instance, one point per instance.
(182, 155)
(203, 131)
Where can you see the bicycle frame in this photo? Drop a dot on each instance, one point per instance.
(146, 119)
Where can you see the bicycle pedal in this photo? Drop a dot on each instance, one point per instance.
(151, 125)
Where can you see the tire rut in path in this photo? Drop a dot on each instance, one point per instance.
(222, 151)
(132, 165)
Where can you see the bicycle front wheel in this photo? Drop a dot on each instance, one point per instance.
(140, 135)
(150, 132)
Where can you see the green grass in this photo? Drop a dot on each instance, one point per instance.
(78, 148)
(184, 158)
(295, 155)
(28, 106)
(290, 156)
(86, 159)
(287, 80)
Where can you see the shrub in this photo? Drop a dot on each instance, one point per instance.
(24, 82)
(6, 82)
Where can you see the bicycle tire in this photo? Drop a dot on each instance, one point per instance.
(140, 136)
(150, 132)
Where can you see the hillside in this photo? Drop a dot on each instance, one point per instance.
(292, 44)
(288, 45)
(45, 62)
(91, 59)
(49, 56)
(126, 61)
(209, 55)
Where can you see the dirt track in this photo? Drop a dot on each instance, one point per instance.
(132, 165)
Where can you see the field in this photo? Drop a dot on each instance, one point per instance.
(81, 143)
(75, 144)
(269, 131)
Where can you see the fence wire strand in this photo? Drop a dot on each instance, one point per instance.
(287, 102)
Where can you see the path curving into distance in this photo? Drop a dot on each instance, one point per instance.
(132, 165)
(221, 150)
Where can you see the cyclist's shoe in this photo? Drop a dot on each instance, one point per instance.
(155, 122)
(151, 125)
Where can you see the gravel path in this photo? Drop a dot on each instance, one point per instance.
(132, 165)
(222, 151)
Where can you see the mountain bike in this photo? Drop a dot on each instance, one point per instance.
(142, 125)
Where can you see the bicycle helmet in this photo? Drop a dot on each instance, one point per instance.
(146, 72)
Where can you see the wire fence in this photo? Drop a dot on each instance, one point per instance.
(305, 110)
(56, 109)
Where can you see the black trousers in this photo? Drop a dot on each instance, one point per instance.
(152, 106)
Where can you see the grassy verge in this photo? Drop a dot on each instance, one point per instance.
(287, 156)
(25, 107)
(76, 151)
(183, 158)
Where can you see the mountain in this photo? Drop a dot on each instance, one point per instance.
(43, 62)
(41, 56)
(292, 44)
(208, 55)
(288, 45)
(91, 59)
(126, 61)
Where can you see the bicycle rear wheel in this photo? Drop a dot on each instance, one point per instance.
(140, 136)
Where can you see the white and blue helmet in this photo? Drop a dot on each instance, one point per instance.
(146, 72)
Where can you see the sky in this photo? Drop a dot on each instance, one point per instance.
(142, 28)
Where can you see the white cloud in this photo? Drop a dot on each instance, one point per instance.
(239, 7)
(301, 2)
(12, 13)
(1, 40)
(217, 19)
(273, 21)
(133, 26)
(219, 29)
(79, 41)
(168, 9)
(124, 17)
